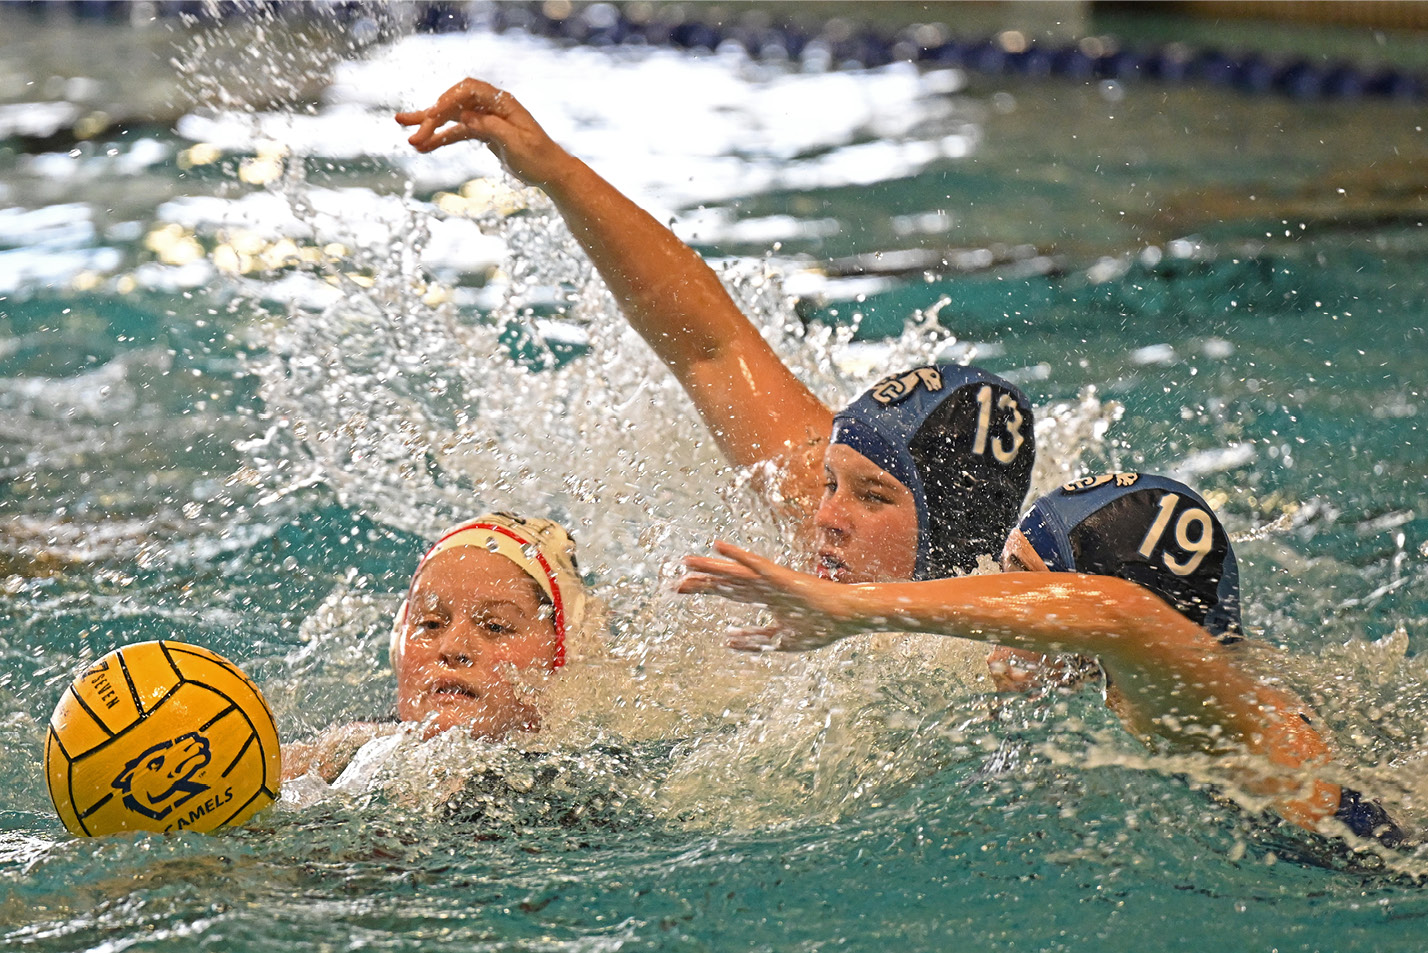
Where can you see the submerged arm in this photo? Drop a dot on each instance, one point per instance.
(754, 405)
(328, 754)
(1180, 685)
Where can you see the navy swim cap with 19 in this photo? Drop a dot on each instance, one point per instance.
(1150, 530)
(960, 439)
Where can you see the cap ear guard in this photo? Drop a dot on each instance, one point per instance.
(394, 642)
(1223, 619)
(1047, 537)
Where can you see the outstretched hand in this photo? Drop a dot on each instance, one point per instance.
(477, 110)
(807, 610)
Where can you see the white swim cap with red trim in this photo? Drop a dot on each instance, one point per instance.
(541, 548)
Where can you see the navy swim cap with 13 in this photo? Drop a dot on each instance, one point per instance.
(960, 439)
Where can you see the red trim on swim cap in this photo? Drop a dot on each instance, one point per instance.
(550, 576)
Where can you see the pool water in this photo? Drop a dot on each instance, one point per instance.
(249, 366)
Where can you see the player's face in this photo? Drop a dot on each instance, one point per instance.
(867, 522)
(1019, 556)
(477, 637)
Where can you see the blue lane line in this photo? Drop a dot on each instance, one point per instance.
(840, 44)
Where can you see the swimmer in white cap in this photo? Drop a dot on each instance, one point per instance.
(958, 440)
(486, 619)
(1142, 578)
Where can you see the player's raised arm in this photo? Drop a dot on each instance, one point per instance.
(755, 407)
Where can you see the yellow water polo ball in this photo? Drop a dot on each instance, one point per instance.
(161, 736)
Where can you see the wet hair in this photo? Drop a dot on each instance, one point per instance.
(961, 440)
(1151, 530)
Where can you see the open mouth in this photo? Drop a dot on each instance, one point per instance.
(829, 567)
(452, 690)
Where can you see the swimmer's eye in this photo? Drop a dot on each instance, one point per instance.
(496, 627)
(872, 493)
(1015, 564)
(427, 624)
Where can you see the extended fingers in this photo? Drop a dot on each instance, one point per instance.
(739, 574)
(698, 583)
(457, 133)
(714, 565)
(473, 95)
(713, 576)
(478, 94)
(468, 98)
(744, 557)
(713, 584)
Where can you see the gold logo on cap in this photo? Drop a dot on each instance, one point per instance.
(899, 387)
(1080, 485)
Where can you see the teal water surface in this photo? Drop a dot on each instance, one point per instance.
(250, 454)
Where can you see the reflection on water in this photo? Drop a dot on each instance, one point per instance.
(249, 369)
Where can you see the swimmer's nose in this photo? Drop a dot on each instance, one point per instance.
(455, 649)
(832, 516)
